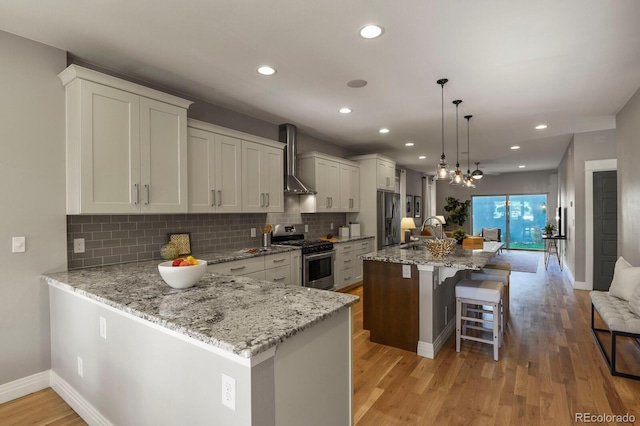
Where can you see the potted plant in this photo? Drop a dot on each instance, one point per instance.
(459, 234)
(549, 228)
(458, 210)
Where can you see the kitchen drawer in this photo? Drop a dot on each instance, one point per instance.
(277, 260)
(238, 267)
(344, 278)
(281, 274)
(362, 247)
(344, 262)
(344, 248)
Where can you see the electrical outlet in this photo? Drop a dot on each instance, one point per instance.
(78, 245)
(103, 327)
(306, 228)
(331, 225)
(80, 367)
(253, 232)
(229, 391)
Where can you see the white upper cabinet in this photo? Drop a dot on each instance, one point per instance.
(126, 146)
(386, 174)
(262, 177)
(336, 181)
(215, 178)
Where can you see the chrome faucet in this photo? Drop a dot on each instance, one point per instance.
(439, 221)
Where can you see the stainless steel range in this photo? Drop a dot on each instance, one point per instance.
(317, 256)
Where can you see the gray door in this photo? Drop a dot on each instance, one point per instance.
(605, 228)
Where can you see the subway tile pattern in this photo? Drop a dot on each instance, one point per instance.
(113, 239)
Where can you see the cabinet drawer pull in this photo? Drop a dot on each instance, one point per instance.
(279, 260)
(279, 279)
(262, 199)
(148, 197)
(219, 198)
(347, 261)
(238, 268)
(267, 194)
(346, 278)
(213, 198)
(137, 193)
(346, 247)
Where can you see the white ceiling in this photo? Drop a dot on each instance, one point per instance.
(571, 64)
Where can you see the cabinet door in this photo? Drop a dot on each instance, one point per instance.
(228, 176)
(253, 197)
(274, 179)
(321, 184)
(333, 186)
(163, 157)
(349, 188)
(386, 174)
(201, 155)
(362, 247)
(281, 274)
(354, 184)
(296, 267)
(109, 145)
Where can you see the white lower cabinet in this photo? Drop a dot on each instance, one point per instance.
(348, 267)
(273, 267)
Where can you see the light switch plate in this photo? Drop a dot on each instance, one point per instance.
(18, 244)
(78, 245)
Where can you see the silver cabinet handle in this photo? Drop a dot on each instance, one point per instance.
(262, 199)
(346, 278)
(347, 261)
(148, 197)
(279, 260)
(267, 194)
(238, 268)
(328, 205)
(137, 193)
(279, 279)
(346, 247)
(219, 197)
(213, 198)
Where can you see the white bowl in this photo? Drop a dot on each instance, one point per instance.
(182, 276)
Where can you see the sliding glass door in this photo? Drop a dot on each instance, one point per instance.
(520, 217)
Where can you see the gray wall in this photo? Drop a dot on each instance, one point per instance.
(32, 169)
(538, 182)
(599, 145)
(628, 152)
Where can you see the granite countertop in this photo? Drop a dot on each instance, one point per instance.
(341, 240)
(237, 314)
(230, 256)
(417, 254)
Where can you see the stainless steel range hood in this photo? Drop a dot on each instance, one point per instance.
(292, 185)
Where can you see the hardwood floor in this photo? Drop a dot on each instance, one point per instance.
(550, 369)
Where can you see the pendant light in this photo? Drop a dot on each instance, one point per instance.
(477, 173)
(469, 182)
(443, 172)
(457, 178)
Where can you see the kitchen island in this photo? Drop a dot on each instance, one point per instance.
(409, 297)
(128, 349)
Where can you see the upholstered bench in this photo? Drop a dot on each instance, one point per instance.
(620, 321)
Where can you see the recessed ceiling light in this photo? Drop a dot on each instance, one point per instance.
(408, 144)
(515, 147)
(422, 157)
(541, 126)
(384, 130)
(521, 166)
(371, 31)
(345, 110)
(266, 70)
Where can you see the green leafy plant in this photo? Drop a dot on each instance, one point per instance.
(458, 210)
(549, 228)
(459, 234)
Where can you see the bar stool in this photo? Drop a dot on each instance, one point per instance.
(475, 296)
(503, 277)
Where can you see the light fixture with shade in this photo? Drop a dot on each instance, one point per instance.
(469, 182)
(406, 225)
(477, 173)
(443, 172)
(456, 177)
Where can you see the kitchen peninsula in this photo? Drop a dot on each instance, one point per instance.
(409, 297)
(128, 349)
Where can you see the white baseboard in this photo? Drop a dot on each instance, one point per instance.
(80, 405)
(25, 386)
(581, 285)
(430, 350)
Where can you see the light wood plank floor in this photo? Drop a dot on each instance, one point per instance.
(549, 369)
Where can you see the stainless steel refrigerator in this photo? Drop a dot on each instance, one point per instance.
(388, 206)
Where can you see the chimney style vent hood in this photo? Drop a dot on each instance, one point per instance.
(292, 185)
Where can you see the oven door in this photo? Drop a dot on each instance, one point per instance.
(318, 270)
